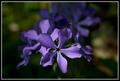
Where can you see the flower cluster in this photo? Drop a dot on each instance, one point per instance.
(51, 35)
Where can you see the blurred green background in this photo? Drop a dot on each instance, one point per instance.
(18, 17)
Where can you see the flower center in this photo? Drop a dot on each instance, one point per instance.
(58, 49)
(61, 22)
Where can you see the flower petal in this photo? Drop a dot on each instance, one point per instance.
(24, 62)
(61, 22)
(46, 41)
(86, 52)
(72, 52)
(26, 54)
(54, 35)
(76, 15)
(44, 25)
(89, 21)
(62, 62)
(44, 13)
(89, 11)
(83, 31)
(47, 59)
(77, 10)
(27, 50)
(87, 49)
(64, 35)
(54, 8)
(43, 50)
(21, 63)
(79, 38)
(31, 34)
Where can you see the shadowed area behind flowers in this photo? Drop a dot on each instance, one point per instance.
(18, 17)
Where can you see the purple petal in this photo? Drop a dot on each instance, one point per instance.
(88, 50)
(21, 63)
(69, 32)
(26, 53)
(31, 34)
(89, 21)
(24, 62)
(76, 15)
(44, 13)
(43, 50)
(97, 20)
(44, 26)
(72, 52)
(83, 31)
(46, 41)
(61, 22)
(79, 38)
(27, 50)
(54, 35)
(77, 45)
(64, 35)
(54, 8)
(47, 59)
(89, 12)
(62, 62)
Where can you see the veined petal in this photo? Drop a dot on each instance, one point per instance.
(54, 35)
(47, 59)
(64, 35)
(44, 25)
(62, 62)
(46, 41)
(72, 52)
(31, 34)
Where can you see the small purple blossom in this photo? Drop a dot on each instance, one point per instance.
(71, 52)
(31, 36)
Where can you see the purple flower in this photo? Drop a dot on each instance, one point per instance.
(32, 36)
(71, 52)
(79, 15)
(57, 20)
